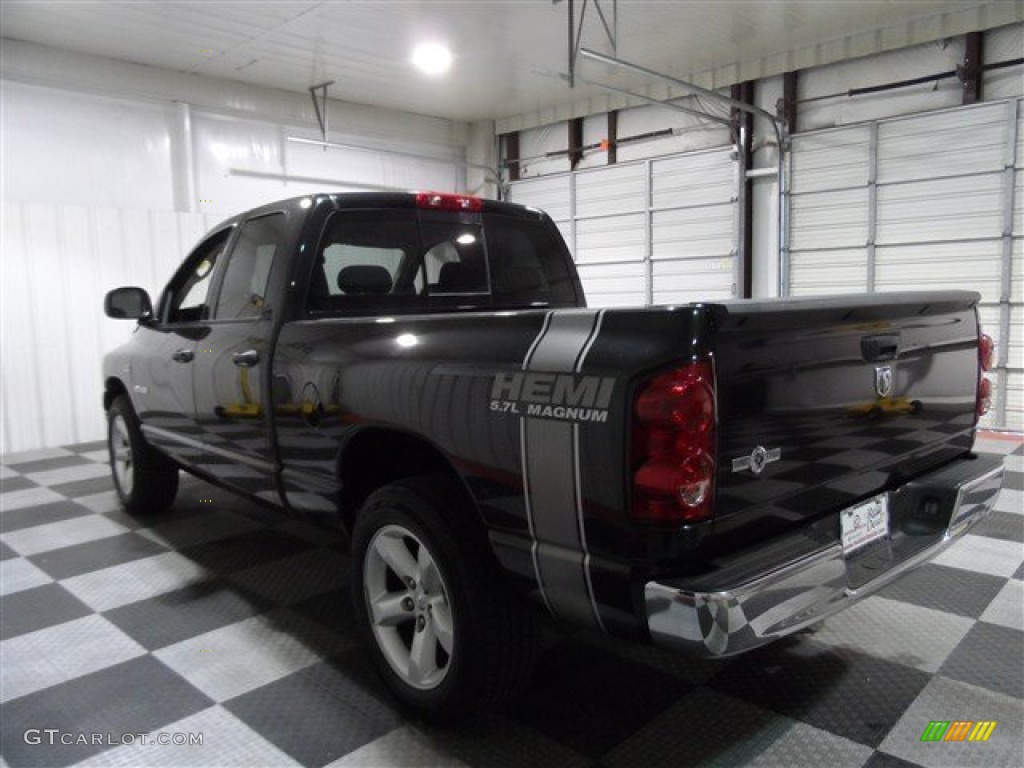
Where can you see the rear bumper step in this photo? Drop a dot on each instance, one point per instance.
(930, 513)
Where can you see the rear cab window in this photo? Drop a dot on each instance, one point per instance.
(407, 260)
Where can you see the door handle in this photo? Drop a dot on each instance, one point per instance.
(246, 359)
(183, 356)
(877, 349)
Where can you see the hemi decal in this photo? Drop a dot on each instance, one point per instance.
(551, 473)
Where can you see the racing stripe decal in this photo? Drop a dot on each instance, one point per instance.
(551, 474)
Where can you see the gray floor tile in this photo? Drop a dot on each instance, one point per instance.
(137, 696)
(38, 608)
(80, 559)
(175, 616)
(852, 695)
(1001, 525)
(16, 483)
(6, 552)
(42, 514)
(85, 487)
(953, 590)
(948, 700)
(322, 712)
(43, 461)
(989, 657)
(48, 657)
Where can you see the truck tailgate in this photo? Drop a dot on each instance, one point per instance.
(825, 402)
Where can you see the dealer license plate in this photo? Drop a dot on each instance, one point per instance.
(864, 523)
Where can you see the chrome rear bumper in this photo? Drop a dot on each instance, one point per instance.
(736, 618)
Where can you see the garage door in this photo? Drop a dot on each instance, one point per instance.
(650, 232)
(923, 202)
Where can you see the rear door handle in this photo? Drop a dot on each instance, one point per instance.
(246, 359)
(183, 356)
(877, 349)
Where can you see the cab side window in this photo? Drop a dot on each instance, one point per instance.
(244, 288)
(189, 290)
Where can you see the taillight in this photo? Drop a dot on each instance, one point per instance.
(674, 446)
(440, 201)
(986, 356)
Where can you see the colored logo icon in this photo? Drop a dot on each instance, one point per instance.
(958, 730)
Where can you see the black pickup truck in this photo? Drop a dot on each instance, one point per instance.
(422, 369)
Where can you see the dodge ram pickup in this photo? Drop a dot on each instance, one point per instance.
(422, 370)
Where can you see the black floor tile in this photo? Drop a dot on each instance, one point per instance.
(849, 694)
(102, 553)
(989, 656)
(953, 590)
(332, 610)
(322, 712)
(885, 760)
(591, 701)
(27, 517)
(1001, 525)
(175, 616)
(245, 551)
(85, 487)
(95, 445)
(38, 608)
(45, 465)
(138, 696)
(17, 483)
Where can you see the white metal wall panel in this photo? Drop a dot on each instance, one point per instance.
(920, 203)
(58, 263)
(689, 280)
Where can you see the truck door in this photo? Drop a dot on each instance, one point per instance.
(232, 360)
(162, 380)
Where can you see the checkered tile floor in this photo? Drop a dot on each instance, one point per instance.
(229, 622)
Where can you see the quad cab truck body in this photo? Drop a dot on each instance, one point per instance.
(422, 370)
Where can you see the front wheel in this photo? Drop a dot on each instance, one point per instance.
(444, 631)
(146, 481)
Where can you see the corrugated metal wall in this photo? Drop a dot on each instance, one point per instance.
(929, 201)
(59, 261)
(647, 232)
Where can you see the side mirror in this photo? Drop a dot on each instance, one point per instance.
(128, 304)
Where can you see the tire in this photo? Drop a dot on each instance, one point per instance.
(445, 632)
(146, 481)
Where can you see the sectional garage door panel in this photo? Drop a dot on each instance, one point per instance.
(695, 179)
(551, 194)
(652, 231)
(828, 272)
(966, 207)
(927, 202)
(928, 267)
(610, 238)
(619, 189)
(837, 219)
(955, 143)
(830, 160)
(614, 285)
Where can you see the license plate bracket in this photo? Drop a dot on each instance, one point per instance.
(864, 523)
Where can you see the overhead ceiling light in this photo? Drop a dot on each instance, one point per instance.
(432, 58)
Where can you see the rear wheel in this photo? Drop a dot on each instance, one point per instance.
(146, 481)
(444, 631)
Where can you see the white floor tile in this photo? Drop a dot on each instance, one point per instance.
(29, 497)
(69, 474)
(405, 746)
(1007, 608)
(18, 574)
(66, 533)
(138, 580)
(985, 555)
(43, 453)
(50, 656)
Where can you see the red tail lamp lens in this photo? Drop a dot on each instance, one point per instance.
(673, 444)
(984, 396)
(986, 351)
